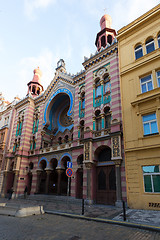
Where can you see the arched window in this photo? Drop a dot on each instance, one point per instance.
(158, 38)
(98, 88)
(150, 45)
(107, 84)
(60, 140)
(104, 155)
(138, 51)
(34, 142)
(109, 39)
(82, 129)
(98, 121)
(42, 165)
(33, 89)
(83, 101)
(35, 123)
(38, 91)
(103, 41)
(31, 165)
(107, 117)
(66, 138)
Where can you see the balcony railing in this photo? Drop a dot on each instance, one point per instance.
(106, 99)
(56, 147)
(103, 132)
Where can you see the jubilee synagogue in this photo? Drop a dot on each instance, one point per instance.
(77, 119)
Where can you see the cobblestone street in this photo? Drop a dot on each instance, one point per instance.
(57, 227)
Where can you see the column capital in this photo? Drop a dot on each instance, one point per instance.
(117, 161)
(60, 170)
(16, 172)
(39, 171)
(48, 170)
(101, 81)
(102, 115)
(88, 164)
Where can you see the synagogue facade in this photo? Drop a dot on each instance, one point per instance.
(76, 119)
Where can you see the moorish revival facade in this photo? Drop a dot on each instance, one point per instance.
(77, 119)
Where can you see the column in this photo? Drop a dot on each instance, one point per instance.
(79, 106)
(102, 87)
(117, 159)
(79, 131)
(48, 171)
(59, 170)
(102, 120)
(38, 180)
(93, 95)
(15, 181)
(118, 185)
(89, 167)
(4, 190)
(94, 123)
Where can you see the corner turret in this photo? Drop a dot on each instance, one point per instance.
(107, 34)
(34, 86)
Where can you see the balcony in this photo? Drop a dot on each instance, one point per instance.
(101, 133)
(56, 148)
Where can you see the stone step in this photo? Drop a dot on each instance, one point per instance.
(53, 198)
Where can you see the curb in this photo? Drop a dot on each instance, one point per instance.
(127, 224)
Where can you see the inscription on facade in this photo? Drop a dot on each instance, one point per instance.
(116, 150)
(87, 151)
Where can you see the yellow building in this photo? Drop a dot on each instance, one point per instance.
(139, 57)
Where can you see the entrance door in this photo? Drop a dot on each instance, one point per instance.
(53, 182)
(64, 183)
(79, 189)
(42, 186)
(106, 185)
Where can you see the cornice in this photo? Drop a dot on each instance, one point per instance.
(99, 56)
(141, 61)
(24, 101)
(148, 96)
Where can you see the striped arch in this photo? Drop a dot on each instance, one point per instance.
(64, 155)
(43, 158)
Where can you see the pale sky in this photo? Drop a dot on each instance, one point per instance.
(39, 32)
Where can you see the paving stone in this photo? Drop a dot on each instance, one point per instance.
(51, 203)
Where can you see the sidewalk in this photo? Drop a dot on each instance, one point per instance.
(73, 208)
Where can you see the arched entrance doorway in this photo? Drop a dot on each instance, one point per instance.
(105, 177)
(53, 178)
(79, 177)
(43, 176)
